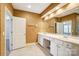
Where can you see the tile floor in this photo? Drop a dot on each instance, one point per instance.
(30, 50)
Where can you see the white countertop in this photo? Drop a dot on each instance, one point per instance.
(71, 39)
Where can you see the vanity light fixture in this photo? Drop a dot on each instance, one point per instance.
(46, 18)
(54, 9)
(51, 15)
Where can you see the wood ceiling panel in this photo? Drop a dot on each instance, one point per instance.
(51, 6)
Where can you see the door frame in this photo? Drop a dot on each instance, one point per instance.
(10, 14)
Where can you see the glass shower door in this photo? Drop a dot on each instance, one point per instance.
(8, 29)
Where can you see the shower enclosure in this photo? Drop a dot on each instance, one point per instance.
(8, 32)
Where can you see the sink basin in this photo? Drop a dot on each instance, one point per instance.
(65, 36)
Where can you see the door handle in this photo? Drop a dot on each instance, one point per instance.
(11, 44)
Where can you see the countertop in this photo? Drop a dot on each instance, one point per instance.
(71, 39)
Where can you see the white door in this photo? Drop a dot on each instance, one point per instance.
(19, 32)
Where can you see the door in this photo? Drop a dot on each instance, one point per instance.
(19, 32)
(8, 30)
(31, 34)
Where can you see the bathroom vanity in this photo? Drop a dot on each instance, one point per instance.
(59, 45)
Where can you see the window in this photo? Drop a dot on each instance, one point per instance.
(67, 28)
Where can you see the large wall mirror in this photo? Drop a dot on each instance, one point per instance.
(67, 27)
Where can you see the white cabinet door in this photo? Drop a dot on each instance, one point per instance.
(40, 40)
(53, 48)
(67, 52)
(59, 47)
(60, 50)
(67, 48)
(39, 37)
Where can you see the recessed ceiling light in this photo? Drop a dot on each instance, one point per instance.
(29, 6)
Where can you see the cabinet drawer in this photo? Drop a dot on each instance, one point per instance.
(59, 42)
(68, 45)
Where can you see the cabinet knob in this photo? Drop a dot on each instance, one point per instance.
(58, 46)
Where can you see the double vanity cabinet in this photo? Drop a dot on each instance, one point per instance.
(61, 48)
(57, 45)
